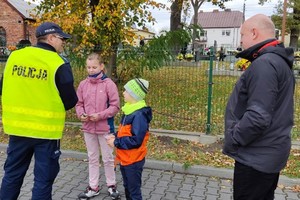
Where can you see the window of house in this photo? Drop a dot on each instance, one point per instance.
(203, 33)
(226, 33)
(2, 37)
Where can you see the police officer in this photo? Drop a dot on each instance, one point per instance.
(36, 92)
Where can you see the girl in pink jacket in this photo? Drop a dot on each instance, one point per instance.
(98, 103)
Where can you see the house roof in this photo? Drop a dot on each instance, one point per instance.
(144, 31)
(220, 19)
(23, 7)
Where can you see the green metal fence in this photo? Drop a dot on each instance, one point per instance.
(188, 95)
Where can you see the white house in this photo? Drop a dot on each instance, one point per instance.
(220, 28)
(142, 36)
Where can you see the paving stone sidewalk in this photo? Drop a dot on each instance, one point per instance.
(161, 181)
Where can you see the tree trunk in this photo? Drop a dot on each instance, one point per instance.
(294, 38)
(175, 18)
(111, 67)
(93, 3)
(195, 22)
(196, 6)
(295, 29)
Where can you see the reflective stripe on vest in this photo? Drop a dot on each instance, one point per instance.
(31, 104)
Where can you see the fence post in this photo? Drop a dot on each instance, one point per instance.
(209, 97)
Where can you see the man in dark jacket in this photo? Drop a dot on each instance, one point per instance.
(259, 113)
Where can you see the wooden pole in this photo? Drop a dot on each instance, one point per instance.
(283, 21)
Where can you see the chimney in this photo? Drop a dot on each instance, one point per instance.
(216, 10)
(227, 10)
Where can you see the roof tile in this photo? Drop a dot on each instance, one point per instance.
(220, 19)
(23, 7)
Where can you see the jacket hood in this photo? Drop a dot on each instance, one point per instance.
(147, 112)
(268, 46)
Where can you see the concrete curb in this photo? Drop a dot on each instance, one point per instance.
(186, 135)
(208, 171)
(179, 168)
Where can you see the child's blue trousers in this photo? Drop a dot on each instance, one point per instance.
(132, 180)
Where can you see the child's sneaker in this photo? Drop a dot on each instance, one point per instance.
(89, 192)
(113, 192)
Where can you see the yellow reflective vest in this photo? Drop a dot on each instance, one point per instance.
(31, 104)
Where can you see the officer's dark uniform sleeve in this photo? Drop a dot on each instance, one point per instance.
(65, 84)
(1, 84)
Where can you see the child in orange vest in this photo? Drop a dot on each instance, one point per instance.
(132, 136)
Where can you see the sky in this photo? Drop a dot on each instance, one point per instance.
(163, 16)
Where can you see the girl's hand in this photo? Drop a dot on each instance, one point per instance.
(94, 117)
(84, 117)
